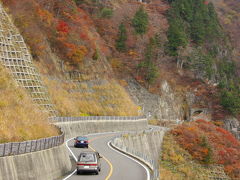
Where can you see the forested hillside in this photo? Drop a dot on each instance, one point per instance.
(200, 43)
(64, 42)
(228, 13)
(181, 41)
(180, 53)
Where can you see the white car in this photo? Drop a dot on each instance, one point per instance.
(89, 161)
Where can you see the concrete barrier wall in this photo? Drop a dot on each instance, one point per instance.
(76, 128)
(53, 163)
(145, 146)
(147, 142)
(48, 164)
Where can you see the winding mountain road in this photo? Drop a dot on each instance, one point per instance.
(115, 165)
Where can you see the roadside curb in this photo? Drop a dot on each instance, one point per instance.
(140, 160)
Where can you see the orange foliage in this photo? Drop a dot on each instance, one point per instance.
(225, 147)
(76, 53)
(45, 16)
(56, 24)
(133, 53)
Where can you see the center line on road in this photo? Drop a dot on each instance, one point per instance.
(109, 163)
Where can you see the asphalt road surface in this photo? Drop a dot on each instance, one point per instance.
(115, 166)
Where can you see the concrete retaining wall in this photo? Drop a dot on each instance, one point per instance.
(48, 164)
(75, 128)
(148, 143)
(53, 163)
(145, 146)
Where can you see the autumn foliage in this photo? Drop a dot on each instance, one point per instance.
(57, 25)
(63, 27)
(210, 144)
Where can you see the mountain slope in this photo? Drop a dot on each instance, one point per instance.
(64, 41)
(20, 118)
(228, 12)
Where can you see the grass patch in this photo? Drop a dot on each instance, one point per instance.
(20, 119)
(153, 122)
(98, 98)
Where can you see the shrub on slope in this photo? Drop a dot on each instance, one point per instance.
(56, 27)
(177, 164)
(210, 144)
(20, 119)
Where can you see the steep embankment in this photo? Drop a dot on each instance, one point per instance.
(206, 146)
(63, 39)
(178, 54)
(228, 11)
(92, 97)
(20, 118)
(178, 41)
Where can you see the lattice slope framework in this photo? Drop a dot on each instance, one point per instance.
(15, 56)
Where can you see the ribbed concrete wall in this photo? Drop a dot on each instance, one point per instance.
(48, 164)
(75, 128)
(145, 146)
(148, 143)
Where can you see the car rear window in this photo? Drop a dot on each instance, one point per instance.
(81, 138)
(87, 157)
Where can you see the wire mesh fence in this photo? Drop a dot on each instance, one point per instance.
(93, 118)
(16, 148)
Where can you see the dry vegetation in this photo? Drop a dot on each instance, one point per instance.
(91, 98)
(178, 164)
(19, 119)
(207, 144)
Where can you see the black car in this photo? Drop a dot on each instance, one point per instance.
(81, 141)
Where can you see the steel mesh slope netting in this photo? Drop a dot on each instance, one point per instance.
(15, 56)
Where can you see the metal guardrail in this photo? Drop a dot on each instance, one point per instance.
(93, 118)
(16, 148)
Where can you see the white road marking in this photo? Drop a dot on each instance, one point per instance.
(147, 170)
(70, 149)
(75, 158)
(70, 174)
(145, 167)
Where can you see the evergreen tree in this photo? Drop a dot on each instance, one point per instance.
(148, 66)
(230, 99)
(184, 9)
(176, 37)
(212, 24)
(140, 21)
(122, 37)
(198, 30)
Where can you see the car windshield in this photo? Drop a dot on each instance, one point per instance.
(81, 138)
(87, 157)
